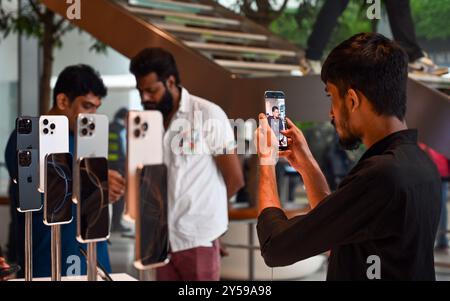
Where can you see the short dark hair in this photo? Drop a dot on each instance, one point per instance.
(155, 60)
(274, 108)
(121, 113)
(373, 65)
(79, 80)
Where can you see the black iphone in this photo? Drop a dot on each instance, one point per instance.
(92, 204)
(58, 189)
(152, 233)
(28, 180)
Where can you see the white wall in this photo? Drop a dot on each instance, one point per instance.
(75, 50)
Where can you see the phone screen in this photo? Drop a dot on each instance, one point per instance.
(154, 236)
(276, 115)
(93, 203)
(58, 188)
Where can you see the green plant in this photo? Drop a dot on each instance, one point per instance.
(35, 20)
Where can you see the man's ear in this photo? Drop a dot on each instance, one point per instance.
(354, 99)
(62, 101)
(171, 82)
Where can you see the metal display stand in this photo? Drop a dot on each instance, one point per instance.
(56, 252)
(92, 261)
(28, 246)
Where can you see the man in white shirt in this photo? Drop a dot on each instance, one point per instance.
(203, 168)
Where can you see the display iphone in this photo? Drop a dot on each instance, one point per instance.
(53, 138)
(58, 189)
(152, 235)
(276, 115)
(28, 180)
(91, 141)
(27, 130)
(144, 147)
(92, 209)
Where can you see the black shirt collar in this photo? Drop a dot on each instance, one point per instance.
(408, 136)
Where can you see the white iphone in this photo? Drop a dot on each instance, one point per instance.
(53, 138)
(145, 131)
(91, 141)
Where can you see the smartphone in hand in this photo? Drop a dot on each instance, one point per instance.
(276, 115)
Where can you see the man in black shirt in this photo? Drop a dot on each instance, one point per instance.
(381, 222)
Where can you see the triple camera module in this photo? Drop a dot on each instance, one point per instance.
(141, 128)
(48, 127)
(87, 126)
(24, 158)
(25, 126)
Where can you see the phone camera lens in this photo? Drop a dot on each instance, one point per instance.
(92, 126)
(137, 133)
(52, 126)
(145, 126)
(45, 122)
(84, 132)
(137, 120)
(46, 131)
(25, 158)
(25, 126)
(84, 120)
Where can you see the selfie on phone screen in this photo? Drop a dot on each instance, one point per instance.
(276, 115)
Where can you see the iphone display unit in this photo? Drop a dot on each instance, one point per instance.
(28, 180)
(27, 130)
(145, 132)
(58, 189)
(152, 233)
(91, 141)
(53, 138)
(92, 204)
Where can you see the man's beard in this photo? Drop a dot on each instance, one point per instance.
(352, 141)
(165, 106)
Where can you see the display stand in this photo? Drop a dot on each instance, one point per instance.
(56, 252)
(92, 261)
(28, 246)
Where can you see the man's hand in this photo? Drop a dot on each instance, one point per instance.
(116, 185)
(300, 157)
(298, 153)
(266, 142)
(3, 265)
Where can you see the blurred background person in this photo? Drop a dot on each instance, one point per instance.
(443, 166)
(116, 160)
(402, 27)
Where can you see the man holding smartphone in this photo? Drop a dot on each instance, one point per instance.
(78, 89)
(199, 185)
(381, 221)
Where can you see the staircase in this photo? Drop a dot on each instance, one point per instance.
(230, 60)
(226, 39)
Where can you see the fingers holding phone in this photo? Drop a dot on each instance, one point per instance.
(266, 142)
(116, 185)
(6, 271)
(297, 152)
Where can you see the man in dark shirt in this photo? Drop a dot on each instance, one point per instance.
(381, 221)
